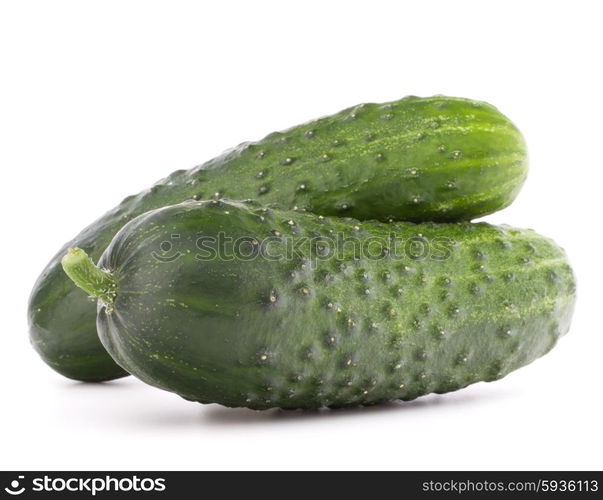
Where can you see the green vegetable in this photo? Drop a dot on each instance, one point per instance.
(224, 302)
(437, 158)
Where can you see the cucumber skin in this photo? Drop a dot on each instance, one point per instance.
(290, 334)
(439, 158)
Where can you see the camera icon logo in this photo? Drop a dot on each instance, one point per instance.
(169, 250)
(14, 489)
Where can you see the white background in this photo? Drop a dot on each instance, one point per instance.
(98, 100)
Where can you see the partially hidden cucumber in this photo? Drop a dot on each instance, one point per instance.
(230, 303)
(437, 158)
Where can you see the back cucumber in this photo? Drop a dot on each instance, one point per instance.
(437, 158)
(262, 307)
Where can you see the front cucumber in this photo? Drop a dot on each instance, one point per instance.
(437, 158)
(262, 308)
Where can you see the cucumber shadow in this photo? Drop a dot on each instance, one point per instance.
(118, 385)
(479, 395)
(132, 402)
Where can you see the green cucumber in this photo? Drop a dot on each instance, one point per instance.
(437, 158)
(231, 303)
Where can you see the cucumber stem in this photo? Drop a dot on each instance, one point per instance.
(86, 275)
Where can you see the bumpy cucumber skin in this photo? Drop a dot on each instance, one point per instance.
(308, 333)
(437, 158)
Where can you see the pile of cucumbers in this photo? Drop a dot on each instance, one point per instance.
(328, 265)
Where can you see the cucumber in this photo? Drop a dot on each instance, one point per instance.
(225, 302)
(438, 158)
